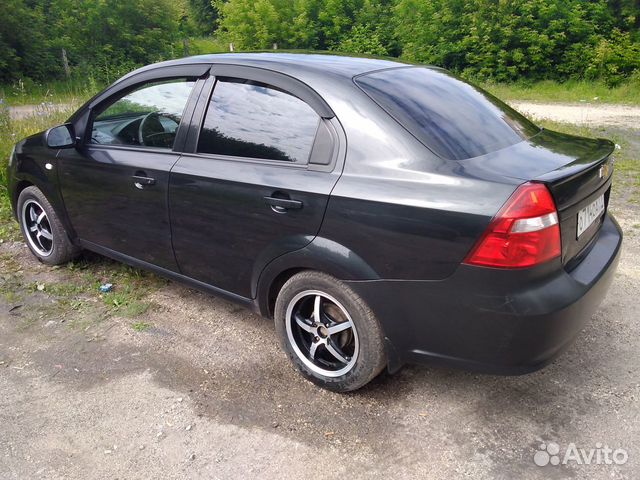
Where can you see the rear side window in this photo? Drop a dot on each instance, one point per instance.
(250, 119)
(454, 119)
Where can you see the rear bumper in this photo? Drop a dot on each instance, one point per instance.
(492, 320)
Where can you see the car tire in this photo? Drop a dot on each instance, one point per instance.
(43, 232)
(328, 331)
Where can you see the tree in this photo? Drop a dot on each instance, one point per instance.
(103, 37)
(503, 40)
(110, 37)
(204, 15)
(362, 39)
(24, 48)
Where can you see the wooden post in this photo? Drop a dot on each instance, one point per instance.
(65, 63)
(231, 47)
(275, 46)
(185, 47)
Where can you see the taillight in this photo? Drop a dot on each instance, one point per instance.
(525, 232)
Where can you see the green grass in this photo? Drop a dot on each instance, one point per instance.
(571, 129)
(203, 45)
(58, 289)
(28, 92)
(11, 283)
(9, 229)
(73, 297)
(569, 91)
(140, 326)
(627, 157)
(131, 286)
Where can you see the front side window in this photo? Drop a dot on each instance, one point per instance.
(250, 119)
(149, 116)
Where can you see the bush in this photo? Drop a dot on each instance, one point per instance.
(364, 40)
(486, 39)
(615, 59)
(103, 37)
(536, 39)
(500, 40)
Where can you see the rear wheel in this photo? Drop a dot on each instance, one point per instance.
(44, 233)
(328, 331)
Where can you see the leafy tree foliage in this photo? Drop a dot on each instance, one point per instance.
(362, 39)
(497, 39)
(22, 27)
(204, 15)
(308, 24)
(506, 40)
(105, 37)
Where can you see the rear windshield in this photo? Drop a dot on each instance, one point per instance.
(454, 119)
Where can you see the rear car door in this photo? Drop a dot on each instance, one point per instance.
(115, 184)
(254, 181)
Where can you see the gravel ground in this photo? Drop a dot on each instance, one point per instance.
(206, 393)
(590, 114)
(21, 112)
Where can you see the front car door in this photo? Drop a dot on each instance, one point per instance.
(255, 178)
(115, 184)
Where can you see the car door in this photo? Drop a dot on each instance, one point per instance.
(115, 184)
(255, 178)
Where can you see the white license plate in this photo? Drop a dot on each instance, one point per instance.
(590, 214)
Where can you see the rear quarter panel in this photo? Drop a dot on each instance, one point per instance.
(405, 212)
(411, 230)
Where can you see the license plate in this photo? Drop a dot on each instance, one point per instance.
(590, 214)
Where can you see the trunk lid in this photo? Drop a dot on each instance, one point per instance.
(579, 188)
(577, 171)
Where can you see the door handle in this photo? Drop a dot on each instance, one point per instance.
(280, 205)
(140, 180)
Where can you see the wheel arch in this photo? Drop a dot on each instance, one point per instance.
(17, 190)
(48, 189)
(321, 255)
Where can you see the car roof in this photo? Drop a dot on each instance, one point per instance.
(291, 62)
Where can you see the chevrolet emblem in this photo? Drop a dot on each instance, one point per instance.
(605, 170)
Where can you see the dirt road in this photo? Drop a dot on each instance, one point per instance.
(590, 114)
(196, 387)
(21, 112)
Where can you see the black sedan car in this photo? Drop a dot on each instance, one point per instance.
(380, 212)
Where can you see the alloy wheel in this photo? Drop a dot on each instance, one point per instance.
(37, 228)
(322, 333)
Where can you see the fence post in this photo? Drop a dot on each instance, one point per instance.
(231, 47)
(65, 63)
(275, 46)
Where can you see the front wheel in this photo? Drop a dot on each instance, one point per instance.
(44, 233)
(329, 333)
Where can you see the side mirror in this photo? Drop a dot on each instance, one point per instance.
(62, 136)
